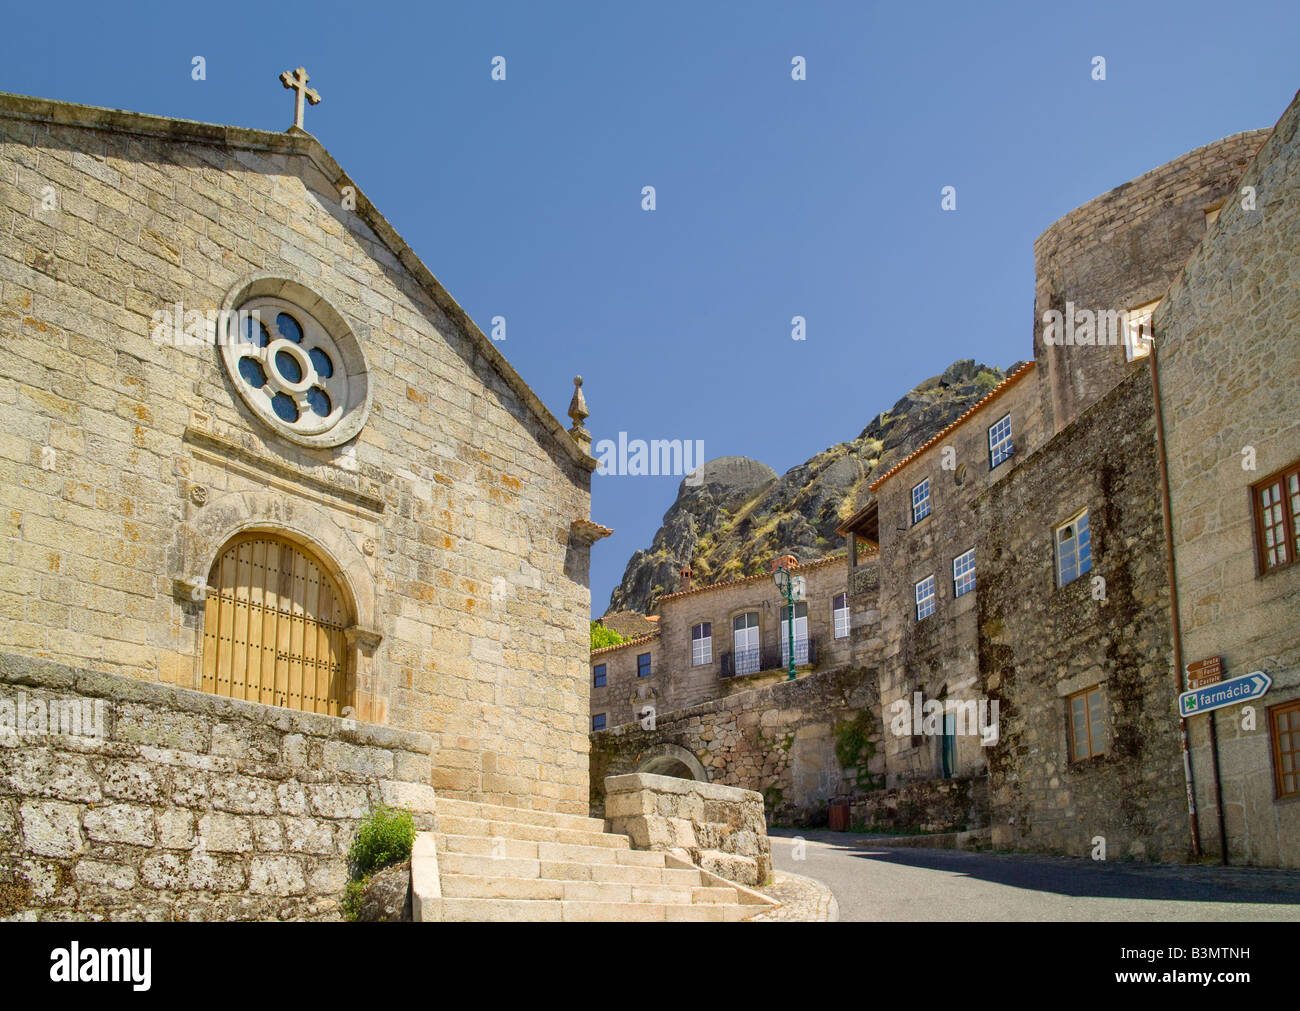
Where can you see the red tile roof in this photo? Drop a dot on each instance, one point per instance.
(628, 642)
(818, 563)
(993, 395)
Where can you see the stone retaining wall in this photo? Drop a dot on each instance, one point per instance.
(183, 805)
(718, 828)
(785, 740)
(936, 805)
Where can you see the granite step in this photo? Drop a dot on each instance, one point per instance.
(579, 910)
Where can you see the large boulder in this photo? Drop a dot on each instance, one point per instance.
(386, 897)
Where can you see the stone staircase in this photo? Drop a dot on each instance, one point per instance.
(486, 862)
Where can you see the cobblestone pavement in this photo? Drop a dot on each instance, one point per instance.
(802, 900)
(871, 881)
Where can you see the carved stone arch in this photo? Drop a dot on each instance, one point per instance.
(672, 760)
(201, 540)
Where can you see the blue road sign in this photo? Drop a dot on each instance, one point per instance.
(1225, 693)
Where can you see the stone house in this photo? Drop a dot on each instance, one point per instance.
(1228, 356)
(249, 445)
(1067, 625)
(723, 638)
(922, 524)
(1123, 505)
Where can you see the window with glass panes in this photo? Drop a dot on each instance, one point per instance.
(1284, 727)
(643, 665)
(1087, 724)
(598, 722)
(921, 501)
(925, 598)
(702, 644)
(1073, 549)
(598, 676)
(963, 573)
(999, 441)
(840, 615)
(744, 640)
(800, 634)
(1277, 519)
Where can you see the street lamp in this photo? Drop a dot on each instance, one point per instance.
(794, 589)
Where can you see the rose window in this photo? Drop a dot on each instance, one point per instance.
(294, 374)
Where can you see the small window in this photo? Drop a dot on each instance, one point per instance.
(921, 501)
(840, 615)
(598, 722)
(1073, 549)
(702, 644)
(1284, 729)
(963, 573)
(598, 676)
(999, 441)
(1137, 331)
(925, 598)
(1087, 724)
(643, 665)
(1277, 519)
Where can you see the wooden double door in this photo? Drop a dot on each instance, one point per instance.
(273, 627)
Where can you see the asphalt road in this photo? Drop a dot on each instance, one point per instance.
(872, 882)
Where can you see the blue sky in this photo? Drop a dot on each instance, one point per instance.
(775, 198)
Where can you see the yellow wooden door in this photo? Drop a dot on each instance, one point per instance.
(273, 627)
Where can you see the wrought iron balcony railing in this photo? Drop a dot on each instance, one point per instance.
(760, 658)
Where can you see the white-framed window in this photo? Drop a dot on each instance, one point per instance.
(925, 598)
(598, 722)
(800, 634)
(840, 615)
(1073, 549)
(999, 441)
(744, 639)
(963, 573)
(702, 644)
(1137, 331)
(921, 501)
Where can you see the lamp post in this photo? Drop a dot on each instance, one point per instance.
(792, 589)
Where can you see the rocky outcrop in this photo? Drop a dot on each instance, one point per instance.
(742, 513)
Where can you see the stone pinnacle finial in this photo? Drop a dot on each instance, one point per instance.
(578, 412)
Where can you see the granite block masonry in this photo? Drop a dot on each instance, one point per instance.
(718, 828)
(190, 806)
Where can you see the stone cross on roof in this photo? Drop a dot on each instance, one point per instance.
(298, 82)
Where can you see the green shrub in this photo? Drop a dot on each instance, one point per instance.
(352, 899)
(383, 839)
(602, 636)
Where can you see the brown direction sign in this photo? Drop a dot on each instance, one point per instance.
(1204, 672)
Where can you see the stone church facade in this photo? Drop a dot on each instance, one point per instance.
(349, 503)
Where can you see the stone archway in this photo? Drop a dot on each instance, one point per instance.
(671, 760)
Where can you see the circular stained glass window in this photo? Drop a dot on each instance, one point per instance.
(287, 365)
(319, 401)
(290, 329)
(251, 371)
(284, 407)
(300, 378)
(255, 332)
(324, 367)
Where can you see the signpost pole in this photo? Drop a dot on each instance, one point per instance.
(1212, 716)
